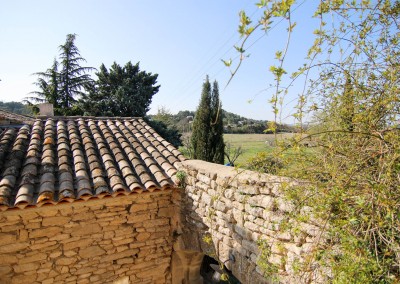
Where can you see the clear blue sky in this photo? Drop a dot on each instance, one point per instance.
(181, 40)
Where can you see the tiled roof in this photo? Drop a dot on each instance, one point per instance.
(15, 118)
(63, 159)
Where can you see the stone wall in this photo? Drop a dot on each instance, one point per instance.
(237, 216)
(126, 239)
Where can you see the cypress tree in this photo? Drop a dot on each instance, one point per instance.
(207, 136)
(217, 128)
(201, 124)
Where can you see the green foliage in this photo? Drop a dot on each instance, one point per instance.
(120, 91)
(268, 268)
(168, 132)
(62, 87)
(16, 107)
(72, 76)
(181, 176)
(207, 136)
(164, 125)
(353, 173)
(216, 138)
(265, 163)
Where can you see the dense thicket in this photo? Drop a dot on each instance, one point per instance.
(353, 171)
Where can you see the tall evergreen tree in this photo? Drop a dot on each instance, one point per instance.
(121, 91)
(48, 84)
(207, 140)
(201, 124)
(217, 128)
(73, 77)
(61, 87)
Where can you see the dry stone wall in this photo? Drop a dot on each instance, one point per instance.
(237, 216)
(126, 239)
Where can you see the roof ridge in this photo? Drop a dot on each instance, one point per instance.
(76, 117)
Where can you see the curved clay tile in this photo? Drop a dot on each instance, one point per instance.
(135, 158)
(47, 180)
(151, 161)
(12, 166)
(115, 181)
(65, 159)
(83, 186)
(99, 183)
(165, 143)
(65, 178)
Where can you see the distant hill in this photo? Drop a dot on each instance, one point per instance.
(15, 107)
(233, 123)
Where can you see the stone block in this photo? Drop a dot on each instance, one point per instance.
(83, 217)
(250, 246)
(91, 251)
(4, 270)
(55, 254)
(12, 228)
(45, 232)
(8, 259)
(123, 241)
(260, 200)
(55, 221)
(221, 206)
(251, 227)
(7, 238)
(36, 257)
(138, 218)
(249, 189)
(203, 178)
(119, 255)
(242, 232)
(254, 211)
(49, 212)
(19, 268)
(86, 229)
(41, 246)
(79, 243)
(123, 231)
(13, 248)
(155, 223)
(167, 212)
(206, 199)
(65, 261)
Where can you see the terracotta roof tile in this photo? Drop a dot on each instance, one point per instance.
(64, 159)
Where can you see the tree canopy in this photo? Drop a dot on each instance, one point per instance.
(121, 91)
(64, 82)
(207, 136)
(72, 76)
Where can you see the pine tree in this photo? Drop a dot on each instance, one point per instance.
(61, 87)
(73, 77)
(48, 83)
(207, 137)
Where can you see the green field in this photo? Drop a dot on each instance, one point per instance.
(252, 144)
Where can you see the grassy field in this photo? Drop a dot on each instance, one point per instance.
(252, 144)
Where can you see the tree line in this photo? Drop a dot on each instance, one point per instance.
(117, 91)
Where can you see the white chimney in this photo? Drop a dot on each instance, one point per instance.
(46, 109)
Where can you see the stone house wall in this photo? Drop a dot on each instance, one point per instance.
(236, 216)
(125, 239)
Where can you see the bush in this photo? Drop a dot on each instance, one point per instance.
(265, 163)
